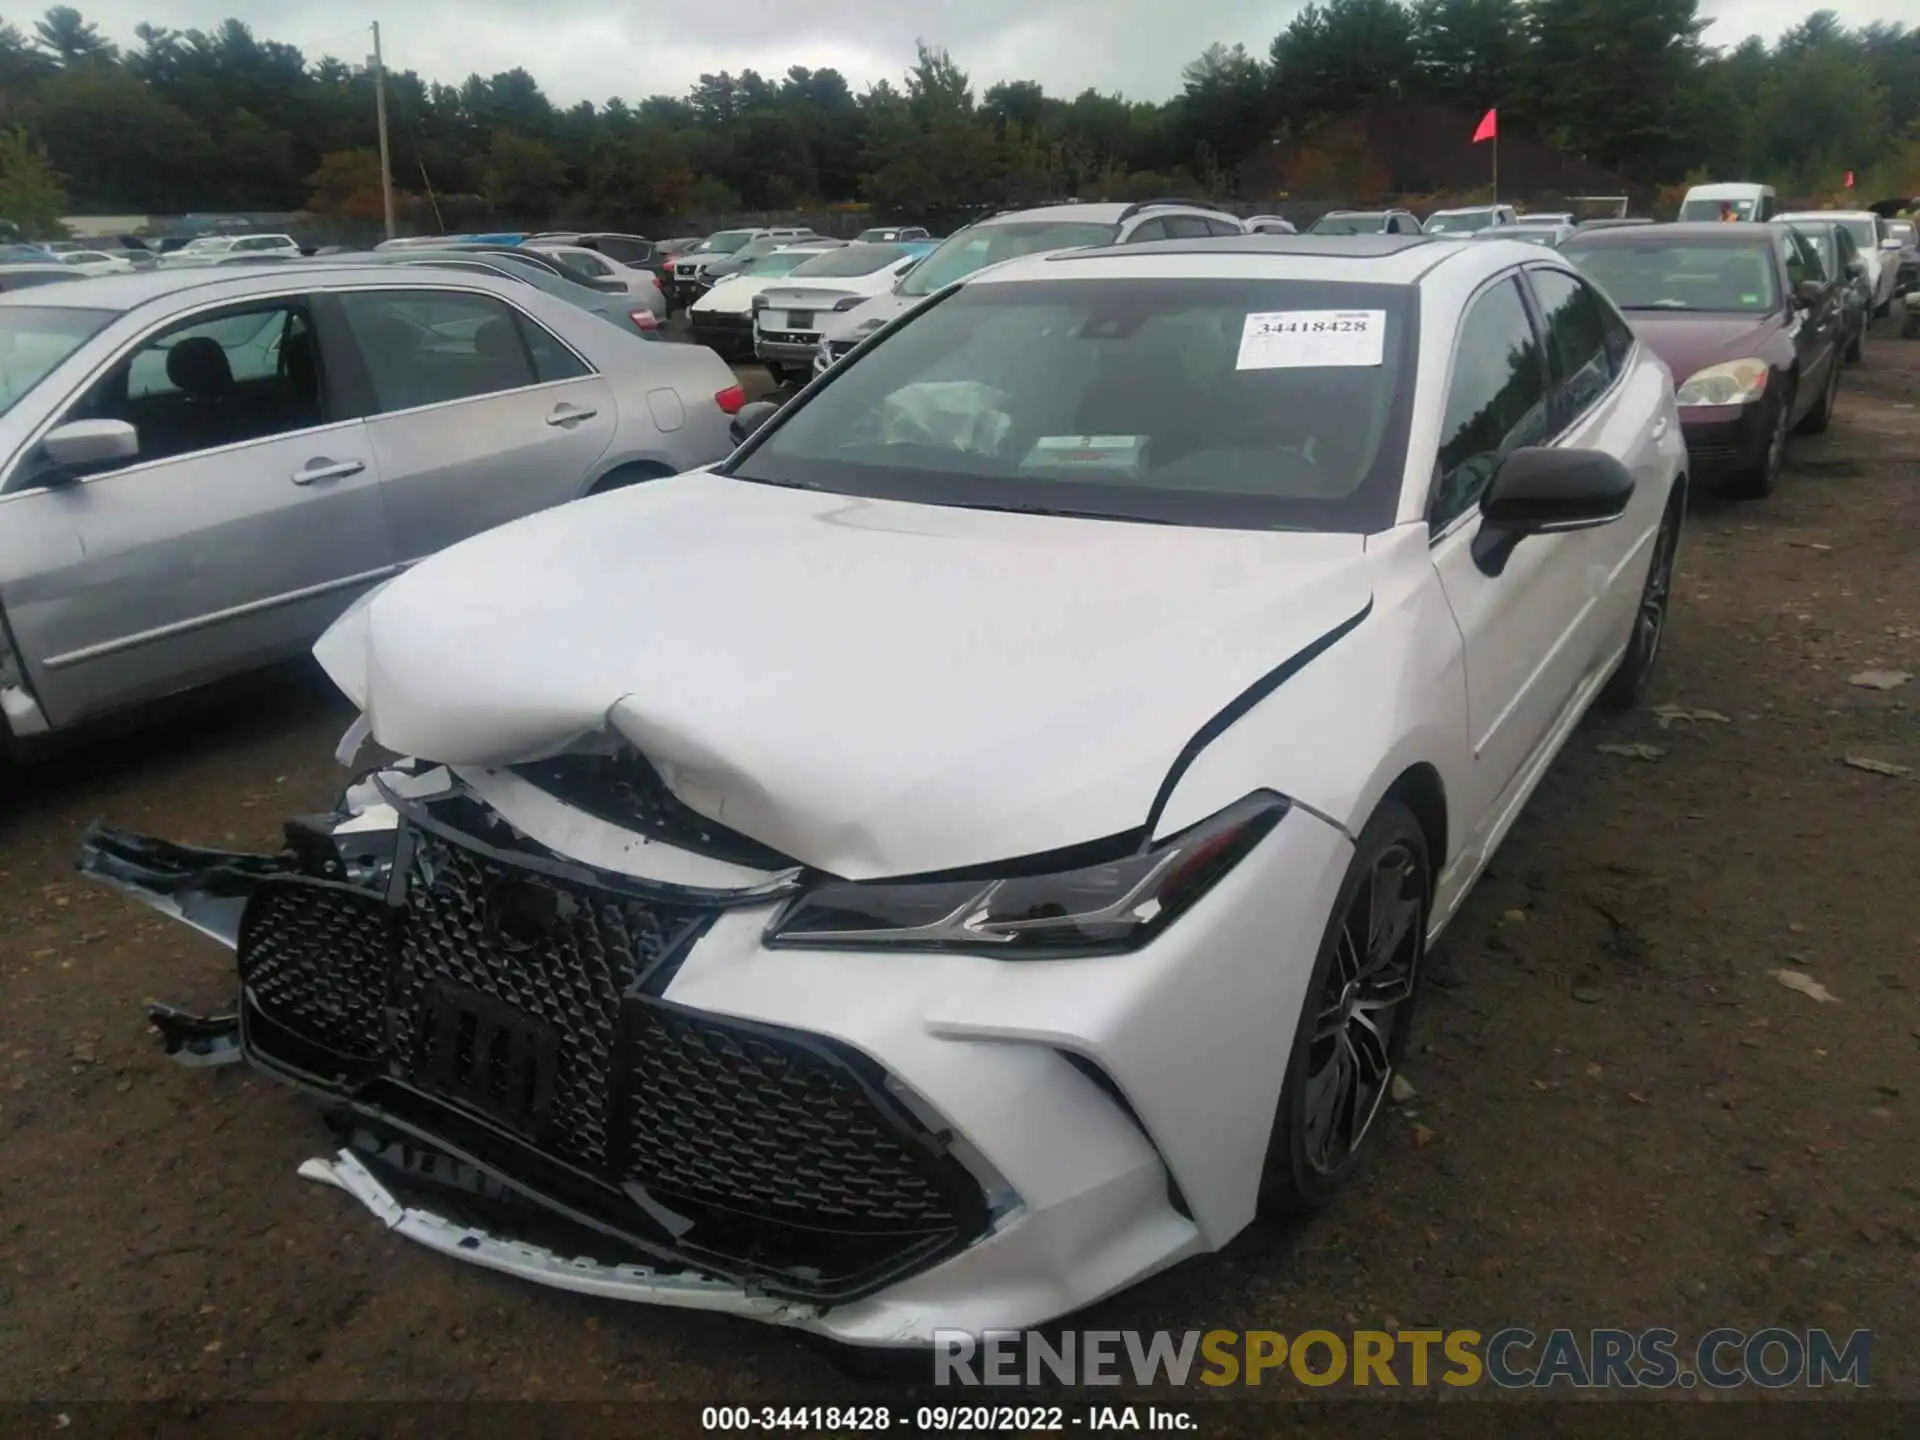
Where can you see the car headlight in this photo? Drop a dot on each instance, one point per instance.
(1099, 909)
(1734, 383)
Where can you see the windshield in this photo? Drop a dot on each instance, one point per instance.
(725, 243)
(1268, 404)
(1352, 222)
(966, 251)
(1733, 278)
(1717, 210)
(35, 338)
(854, 260)
(1458, 224)
(1863, 232)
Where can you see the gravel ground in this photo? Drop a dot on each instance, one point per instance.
(1622, 1116)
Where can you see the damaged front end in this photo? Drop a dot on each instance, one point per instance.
(487, 1018)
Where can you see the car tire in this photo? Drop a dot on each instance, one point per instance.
(1627, 686)
(1760, 481)
(1816, 420)
(1328, 1107)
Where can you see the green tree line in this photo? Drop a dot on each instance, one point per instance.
(223, 119)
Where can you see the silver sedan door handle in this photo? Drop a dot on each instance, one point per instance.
(564, 414)
(324, 469)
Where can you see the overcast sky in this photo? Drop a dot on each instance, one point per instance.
(596, 49)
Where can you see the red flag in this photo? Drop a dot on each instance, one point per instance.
(1489, 127)
(1849, 180)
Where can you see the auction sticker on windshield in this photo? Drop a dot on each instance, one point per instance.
(1311, 339)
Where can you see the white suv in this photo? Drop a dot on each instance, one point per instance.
(1013, 233)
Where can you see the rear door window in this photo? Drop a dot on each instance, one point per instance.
(433, 347)
(1576, 342)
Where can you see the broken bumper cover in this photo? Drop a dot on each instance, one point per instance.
(598, 1081)
(506, 1011)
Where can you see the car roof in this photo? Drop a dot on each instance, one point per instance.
(130, 291)
(1728, 190)
(1371, 259)
(1451, 210)
(1828, 215)
(1698, 232)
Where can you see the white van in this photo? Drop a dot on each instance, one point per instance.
(1738, 201)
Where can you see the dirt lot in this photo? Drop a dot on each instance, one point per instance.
(1623, 1117)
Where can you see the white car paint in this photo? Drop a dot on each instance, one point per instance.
(1869, 233)
(882, 689)
(732, 295)
(95, 262)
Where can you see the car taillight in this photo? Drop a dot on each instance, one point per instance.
(644, 320)
(730, 399)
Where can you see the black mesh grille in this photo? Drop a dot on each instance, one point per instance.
(757, 1121)
(457, 927)
(515, 1014)
(315, 959)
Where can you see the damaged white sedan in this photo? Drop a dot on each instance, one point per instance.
(975, 847)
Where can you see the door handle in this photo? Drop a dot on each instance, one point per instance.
(568, 414)
(315, 471)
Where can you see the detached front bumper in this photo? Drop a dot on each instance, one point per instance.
(599, 1081)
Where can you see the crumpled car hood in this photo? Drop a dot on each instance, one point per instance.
(870, 687)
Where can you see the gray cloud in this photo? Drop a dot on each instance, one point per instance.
(596, 49)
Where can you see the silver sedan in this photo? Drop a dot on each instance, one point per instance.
(200, 469)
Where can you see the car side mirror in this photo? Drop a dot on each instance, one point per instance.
(751, 418)
(82, 443)
(1539, 490)
(1892, 242)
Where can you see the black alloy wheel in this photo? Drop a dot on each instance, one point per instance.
(1628, 684)
(1354, 1027)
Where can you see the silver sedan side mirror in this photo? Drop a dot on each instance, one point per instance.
(90, 442)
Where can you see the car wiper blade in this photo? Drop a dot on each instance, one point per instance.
(769, 480)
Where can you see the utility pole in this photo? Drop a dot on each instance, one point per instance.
(380, 113)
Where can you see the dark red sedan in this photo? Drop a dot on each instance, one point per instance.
(1748, 321)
